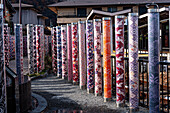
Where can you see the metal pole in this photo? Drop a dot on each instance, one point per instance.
(133, 61)
(64, 51)
(119, 37)
(90, 63)
(82, 54)
(153, 42)
(107, 58)
(59, 54)
(75, 53)
(97, 57)
(20, 13)
(69, 53)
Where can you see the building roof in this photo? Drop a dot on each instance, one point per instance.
(103, 13)
(70, 3)
(9, 6)
(42, 16)
(15, 5)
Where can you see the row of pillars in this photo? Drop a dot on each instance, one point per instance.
(36, 48)
(36, 54)
(84, 62)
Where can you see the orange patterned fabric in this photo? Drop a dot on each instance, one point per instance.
(106, 58)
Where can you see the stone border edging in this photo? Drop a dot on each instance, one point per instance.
(42, 103)
(40, 76)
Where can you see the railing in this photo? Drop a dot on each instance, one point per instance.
(144, 82)
(164, 86)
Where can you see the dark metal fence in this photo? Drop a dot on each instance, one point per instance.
(144, 82)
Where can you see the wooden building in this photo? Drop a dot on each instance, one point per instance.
(29, 15)
(73, 10)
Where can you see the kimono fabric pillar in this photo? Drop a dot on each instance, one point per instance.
(153, 42)
(30, 48)
(42, 48)
(97, 57)
(34, 49)
(119, 37)
(19, 52)
(133, 61)
(64, 51)
(38, 47)
(82, 55)
(75, 53)
(107, 58)
(6, 44)
(90, 65)
(54, 50)
(69, 53)
(3, 98)
(59, 54)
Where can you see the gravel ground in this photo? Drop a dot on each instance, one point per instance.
(63, 95)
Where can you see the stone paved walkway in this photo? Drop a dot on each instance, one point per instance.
(62, 95)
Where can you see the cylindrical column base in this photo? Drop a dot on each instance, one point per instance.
(64, 78)
(90, 91)
(70, 81)
(83, 87)
(75, 83)
(134, 110)
(98, 94)
(120, 105)
(107, 99)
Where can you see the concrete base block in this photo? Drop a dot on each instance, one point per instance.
(107, 99)
(82, 87)
(120, 105)
(90, 91)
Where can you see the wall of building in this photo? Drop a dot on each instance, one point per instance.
(41, 21)
(28, 17)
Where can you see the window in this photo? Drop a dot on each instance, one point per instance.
(142, 10)
(124, 8)
(112, 9)
(81, 12)
(100, 9)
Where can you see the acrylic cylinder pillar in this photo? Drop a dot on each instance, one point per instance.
(119, 38)
(64, 51)
(3, 95)
(30, 48)
(19, 52)
(82, 54)
(54, 50)
(97, 57)
(133, 61)
(107, 58)
(38, 47)
(75, 53)
(69, 53)
(90, 55)
(34, 50)
(59, 50)
(153, 42)
(6, 44)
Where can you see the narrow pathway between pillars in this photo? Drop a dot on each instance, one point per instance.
(63, 95)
